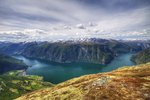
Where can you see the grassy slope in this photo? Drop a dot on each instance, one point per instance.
(127, 83)
(13, 86)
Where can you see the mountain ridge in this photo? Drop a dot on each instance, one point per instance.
(91, 50)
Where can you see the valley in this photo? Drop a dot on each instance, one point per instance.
(74, 49)
(60, 72)
(44, 64)
(94, 50)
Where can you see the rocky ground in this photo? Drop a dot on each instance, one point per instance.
(127, 83)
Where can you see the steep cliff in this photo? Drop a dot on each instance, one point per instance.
(102, 51)
(142, 57)
(127, 83)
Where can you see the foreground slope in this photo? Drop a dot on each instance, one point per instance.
(127, 83)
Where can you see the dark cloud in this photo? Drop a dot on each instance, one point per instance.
(65, 10)
(124, 4)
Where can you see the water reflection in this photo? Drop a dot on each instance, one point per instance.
(56, 72)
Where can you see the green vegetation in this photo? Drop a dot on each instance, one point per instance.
(142, 57)
(13, 86)
(8, 63)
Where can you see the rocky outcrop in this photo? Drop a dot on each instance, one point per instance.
(142, 57)
(126, 83)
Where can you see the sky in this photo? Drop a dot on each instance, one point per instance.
(52, 20)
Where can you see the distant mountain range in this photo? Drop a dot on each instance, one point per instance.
(89, 50)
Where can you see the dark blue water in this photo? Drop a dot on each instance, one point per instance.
(56, 72)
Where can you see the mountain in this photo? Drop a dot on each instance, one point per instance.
(8, 63)
(87, 50)
(138, 45)
(13, 84)
(126, 83)
(102, 51)
(142, 57)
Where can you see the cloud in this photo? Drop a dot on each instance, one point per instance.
(63, 19)
(80, 26)
(62, 32)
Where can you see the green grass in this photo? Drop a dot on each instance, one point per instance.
(13, 86)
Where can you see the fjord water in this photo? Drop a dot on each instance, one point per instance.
(56, 72)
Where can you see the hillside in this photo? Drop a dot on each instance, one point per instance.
(12, 85)
(8, 63)
(142, 57)
(91, 51)
(126, 83)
